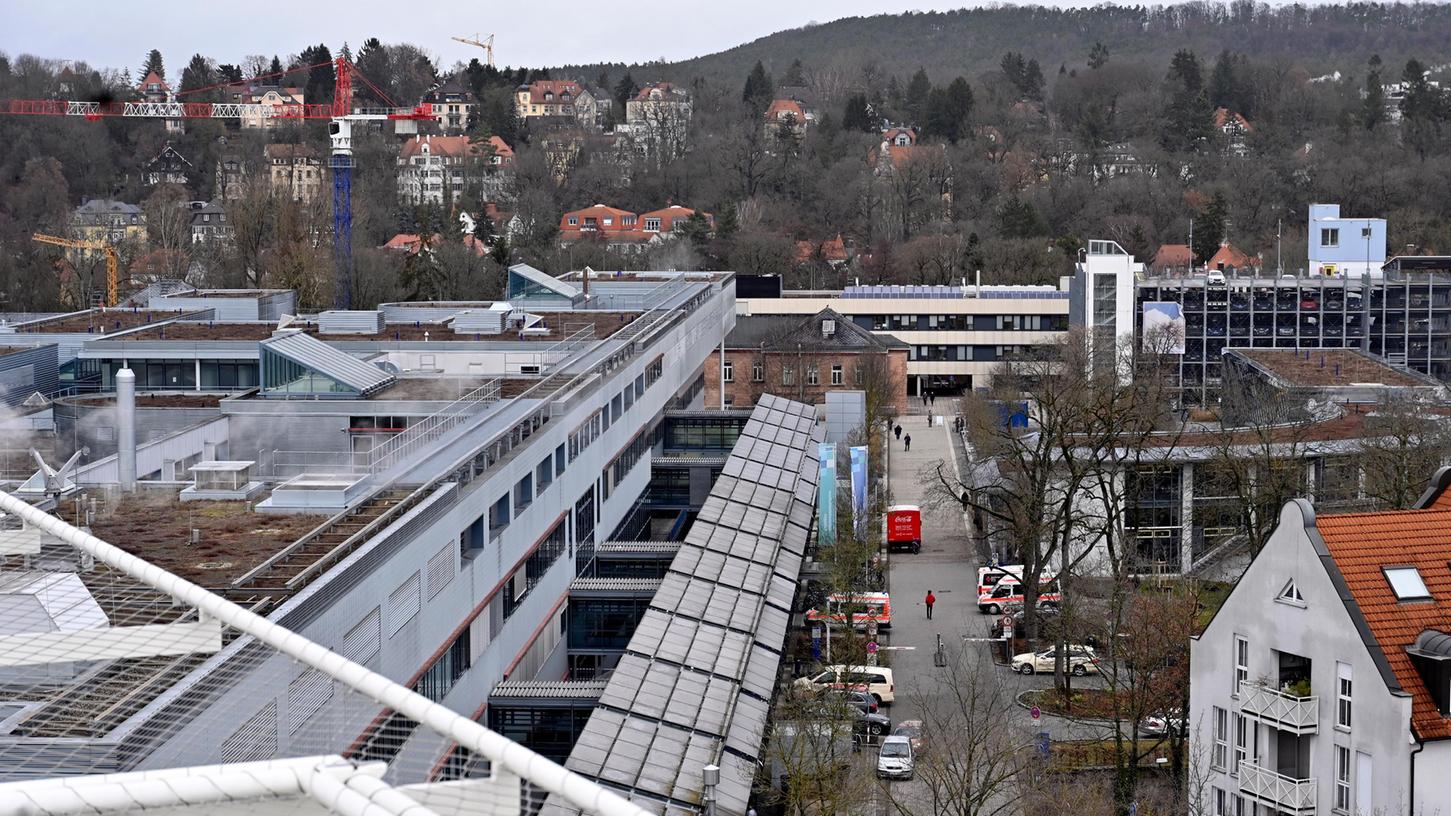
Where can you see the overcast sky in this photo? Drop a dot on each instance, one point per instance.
(542, 32)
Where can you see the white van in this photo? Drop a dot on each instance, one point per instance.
(875, 680)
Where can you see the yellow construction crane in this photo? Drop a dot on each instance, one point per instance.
(487, 45)
(113, 262)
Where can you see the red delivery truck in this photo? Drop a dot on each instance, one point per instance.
(904, 528)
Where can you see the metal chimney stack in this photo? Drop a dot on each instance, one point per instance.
(126, 427)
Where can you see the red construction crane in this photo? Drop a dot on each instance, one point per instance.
(340, 113)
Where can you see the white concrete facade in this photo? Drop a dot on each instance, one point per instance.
(914, 320)
(1298, 754)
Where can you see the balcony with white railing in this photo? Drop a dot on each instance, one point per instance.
(1280, 709)
(1285, 794)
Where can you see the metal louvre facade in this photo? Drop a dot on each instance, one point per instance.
(695, 684)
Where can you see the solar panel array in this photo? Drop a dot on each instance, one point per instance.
(921, 292)
(695, 683)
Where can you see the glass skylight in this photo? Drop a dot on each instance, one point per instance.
(1406, 583)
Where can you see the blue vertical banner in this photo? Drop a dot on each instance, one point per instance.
(826, 496)
(859, 489)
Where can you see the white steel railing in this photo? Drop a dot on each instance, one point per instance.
(430, 428)
(1285, 793)
(1287, 712)
(500, 751)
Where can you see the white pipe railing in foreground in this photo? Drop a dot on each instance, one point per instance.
(170, 787)
(548, 775)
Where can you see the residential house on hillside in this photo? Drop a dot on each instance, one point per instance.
(230, 177)
(209, 222)
(625, 231)
(167, 167)
(290, 99)
(1108, 161)
(916, 181)
(1172, 259)
(294, 171)
(802, 358)
(453, 104)
(657, 121)
(832, 252)
(154, 89)
(1230, 259)
(565, 100)
(438, 169)
(112, 222)
(787, 119)
(1235, 129)
(408, 243)
(1322, 685)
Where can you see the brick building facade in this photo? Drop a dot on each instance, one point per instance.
(803, 358)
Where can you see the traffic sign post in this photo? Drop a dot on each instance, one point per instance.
(871, 653)
(1036, 713)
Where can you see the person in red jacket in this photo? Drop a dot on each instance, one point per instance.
(931, 599)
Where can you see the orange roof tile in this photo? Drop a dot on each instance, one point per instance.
(456, 146)
(1361, 544)
(781, 107)
(1223, 116)
(1230, 257)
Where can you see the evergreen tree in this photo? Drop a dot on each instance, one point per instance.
(321, 79)
(1374, 104)
(1209, 228)
(795, 75)
(948, 109)
(917, 92)
(696, 230)
(152, 63)
(276, 67)
(759, 88)
(373, 63)
(229, 73)
(345, 52)
(1423, 110)
(727, 224)
(1098, 56)
(1033, 83)
(199, 73)
(624, 89)
(858, 115)
(1188, 122)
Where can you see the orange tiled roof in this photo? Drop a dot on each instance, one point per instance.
(1223, 116)
(456, 146)
(781, 107)
(599, 213)
(1361, 545)
(1228, 256)
(556, 88)
(673, 213)
(1173, 255)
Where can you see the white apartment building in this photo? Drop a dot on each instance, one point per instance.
(957, 334)
(1323, 685)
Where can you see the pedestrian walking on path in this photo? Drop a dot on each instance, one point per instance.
(898, 430)
(931, 599)
(908, 442)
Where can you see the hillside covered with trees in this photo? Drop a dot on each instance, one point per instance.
(1037, 129)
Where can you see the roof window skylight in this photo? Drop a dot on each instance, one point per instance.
(1406, 583)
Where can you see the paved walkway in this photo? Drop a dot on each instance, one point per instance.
(948, 566)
